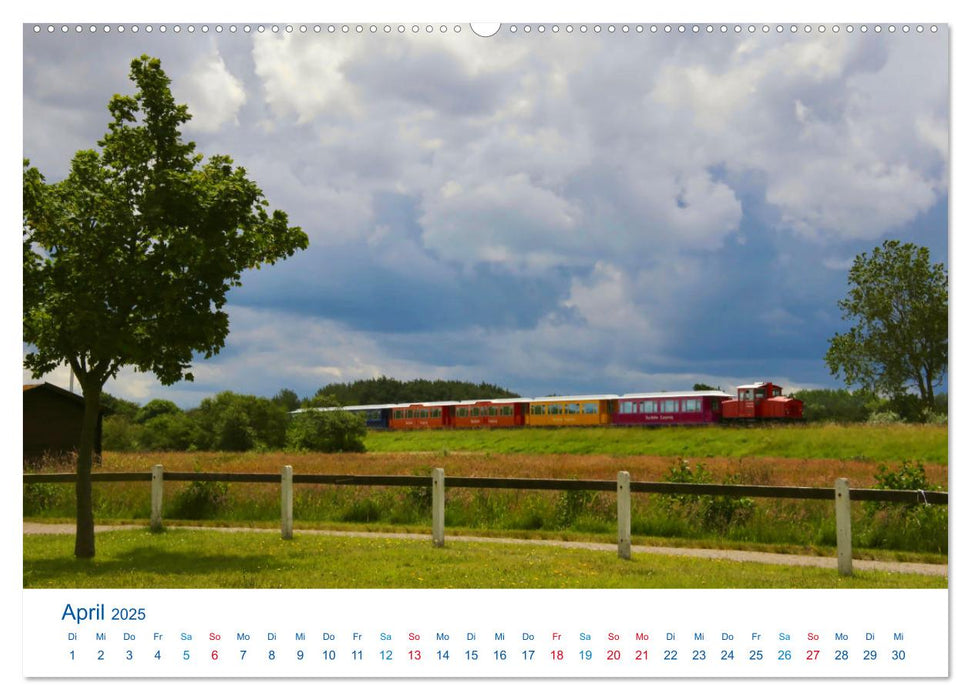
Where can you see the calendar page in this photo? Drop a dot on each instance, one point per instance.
(419, 353)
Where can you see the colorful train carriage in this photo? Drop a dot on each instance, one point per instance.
(669, 408)
(761, 401)
(421, 416)
(376, 416)
(758, 401)
(570, 410)
(494, 413)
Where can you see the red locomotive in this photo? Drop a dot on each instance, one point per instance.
(761, 401)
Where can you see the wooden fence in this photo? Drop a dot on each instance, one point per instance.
(841, 494)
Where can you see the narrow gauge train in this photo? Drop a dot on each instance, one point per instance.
(758, 401)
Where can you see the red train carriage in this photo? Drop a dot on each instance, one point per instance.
(495, 413)
(669, 408)
(761, 401)
(421, 416)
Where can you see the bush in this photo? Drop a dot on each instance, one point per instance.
(239, 422)
(714, 512)
(327, 431)
(120, 434)
(884, 418)
(201, 500)
(39, 498)
(905, 525)
(571, 506)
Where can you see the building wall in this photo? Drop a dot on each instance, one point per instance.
(52, 423)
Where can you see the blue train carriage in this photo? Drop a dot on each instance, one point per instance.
(669, 408)
(376, 416)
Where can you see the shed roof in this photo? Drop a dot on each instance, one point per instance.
(56, 390)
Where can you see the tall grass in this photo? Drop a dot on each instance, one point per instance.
(806, 455)
(752, 521)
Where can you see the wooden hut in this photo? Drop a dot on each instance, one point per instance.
(52, 422)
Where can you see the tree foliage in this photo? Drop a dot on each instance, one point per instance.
(898, 343)
(238, 422)
(128, 260)
(388, 390)
(327, 431)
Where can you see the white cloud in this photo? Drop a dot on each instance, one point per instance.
(607, 303)
(302, 77)
(213, 94)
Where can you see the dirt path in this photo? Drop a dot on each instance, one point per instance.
(729, 554)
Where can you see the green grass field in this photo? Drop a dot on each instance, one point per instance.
(892, 443)
(207, 559)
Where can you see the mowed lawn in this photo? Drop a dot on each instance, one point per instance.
(212, 559)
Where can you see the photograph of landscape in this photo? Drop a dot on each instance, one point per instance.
(407, 306)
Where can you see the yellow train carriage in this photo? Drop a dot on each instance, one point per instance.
(570, 410)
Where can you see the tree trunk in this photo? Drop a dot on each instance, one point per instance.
(84, 537)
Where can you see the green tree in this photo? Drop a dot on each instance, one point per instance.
(288, 399)
(327, 431)
(114, 406)
(239, 422)
(168, 431)
(128, 260)
(156, 407)
(898, 303)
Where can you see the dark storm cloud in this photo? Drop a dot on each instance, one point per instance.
(551, 213)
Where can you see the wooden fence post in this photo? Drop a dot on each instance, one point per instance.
(438, 507)
(623, 515)
(844, 535)
(157, 482)
(286, 502)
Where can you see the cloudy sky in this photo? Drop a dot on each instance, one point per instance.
(563, 212)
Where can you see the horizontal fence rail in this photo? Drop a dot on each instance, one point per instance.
(840, 494)
(488, 482)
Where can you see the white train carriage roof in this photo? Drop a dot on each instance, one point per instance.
(586, 397)
(678, 394)
(369, 407)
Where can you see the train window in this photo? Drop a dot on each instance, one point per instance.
(692, 405)
(493, 411)
(399, 415)
(423, 413)
(776, 391)
(650, 407)
(410, 413)
(589, 408)
(475, 411)
(745, 394)
(507, 410)
(572, 408)
(760, 394)
(436, 413)
(555, 409)
(669, 406)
